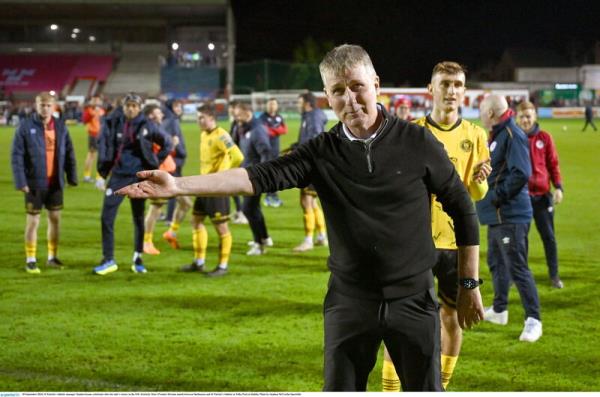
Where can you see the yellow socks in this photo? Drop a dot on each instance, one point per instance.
(87, 173)
(225, 243)
(389, 378)
(174, 227)
(309, 223)
(147, 237)
(52, 249)
(448, 364)
(319, 220)
(30, 251)
(200, 242)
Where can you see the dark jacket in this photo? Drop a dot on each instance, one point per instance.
(507, 200)
(172, 126)
(275, 124)
(29, 154)
(376, 199)
(544, 162)
(312, 124)
(589, 113)
(254, 143)
(146, 133)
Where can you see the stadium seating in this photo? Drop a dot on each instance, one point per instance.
(137, 70)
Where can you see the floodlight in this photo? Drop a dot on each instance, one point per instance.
(175, 46)
(211, 46)
(53, 26)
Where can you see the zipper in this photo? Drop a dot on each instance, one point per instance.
(368, 154)
(367, 144)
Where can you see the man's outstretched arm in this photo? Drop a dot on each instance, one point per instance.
(160, 184)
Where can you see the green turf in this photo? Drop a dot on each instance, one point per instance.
(260, 328)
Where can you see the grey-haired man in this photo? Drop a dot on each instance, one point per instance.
(368, 168)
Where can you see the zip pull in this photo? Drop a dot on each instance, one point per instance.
(368, 153)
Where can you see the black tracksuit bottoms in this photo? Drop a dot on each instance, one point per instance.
(355, 328)
(110, 207)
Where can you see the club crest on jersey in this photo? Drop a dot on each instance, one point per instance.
(539, 144)
(493, 146)
(466, 145)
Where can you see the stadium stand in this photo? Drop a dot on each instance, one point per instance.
(138, 70)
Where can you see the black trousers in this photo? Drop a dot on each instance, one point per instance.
(110, 207)
(590, 122)
(355, 328)
(252, 211)
(543, 214)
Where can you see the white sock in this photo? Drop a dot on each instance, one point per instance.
(308, 240)
(31, 259)
(50, 257)
(137, 255)
(199, 262)
(222, 266)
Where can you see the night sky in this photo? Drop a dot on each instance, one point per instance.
(406, 38)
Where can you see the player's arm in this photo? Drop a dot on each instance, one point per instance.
(232, 150)
(478, 186)
(444, 182)
(283, 173)
(554, 170)
(18, 160)
(162, 138)
(468, 302)
(70, 162)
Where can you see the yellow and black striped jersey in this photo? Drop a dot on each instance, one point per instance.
(218, 152)
(466, 145)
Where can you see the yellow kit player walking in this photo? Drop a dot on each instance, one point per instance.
(217, 153)
(466, 145)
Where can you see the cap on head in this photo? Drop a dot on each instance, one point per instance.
(133, 97)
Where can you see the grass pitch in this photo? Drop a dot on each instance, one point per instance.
(260, 328)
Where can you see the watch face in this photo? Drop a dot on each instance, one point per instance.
(469, 283)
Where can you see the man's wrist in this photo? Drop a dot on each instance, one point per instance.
(469, 283)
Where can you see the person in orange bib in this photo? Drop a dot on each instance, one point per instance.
(42, 153)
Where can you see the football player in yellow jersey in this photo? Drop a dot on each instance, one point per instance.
(217, 153)
(466, 145)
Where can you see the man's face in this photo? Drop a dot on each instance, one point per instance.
(205, 121)
(447, 90)
(485, 115)
(300, 105)
(353, 96)
(526, 119)
(131, 109)
(244, 116)
(157, 116)
(178, 109)
(45, 108)
(97, 101)
(235, 112)
(272, 107)
(403, 111)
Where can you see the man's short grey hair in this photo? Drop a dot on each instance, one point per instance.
(344, 57)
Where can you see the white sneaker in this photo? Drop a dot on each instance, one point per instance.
(239, 218)
(256, 249)
(267, 242)
(321, 241)
(306, 245)
(496, 318)
(532, 330)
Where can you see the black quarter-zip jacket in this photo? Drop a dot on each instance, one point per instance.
(376, 199)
